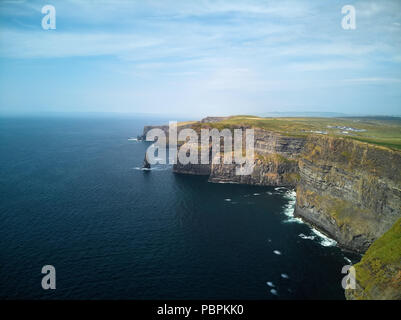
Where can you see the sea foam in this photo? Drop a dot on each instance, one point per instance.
(324, 240)
(305, 237)
(289, 208)
(274, 291)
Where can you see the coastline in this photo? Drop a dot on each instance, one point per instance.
(346, 190)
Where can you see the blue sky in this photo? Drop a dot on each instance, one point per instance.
(200, 58)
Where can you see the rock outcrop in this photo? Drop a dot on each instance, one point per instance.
(146, 129)
(195, 169)
(146, 164)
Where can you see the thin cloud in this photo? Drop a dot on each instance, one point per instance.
(373, 80)
(326, 65)
(39, 44)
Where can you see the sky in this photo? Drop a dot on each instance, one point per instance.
(200, 58)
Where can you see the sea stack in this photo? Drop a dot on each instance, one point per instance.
(146, 164)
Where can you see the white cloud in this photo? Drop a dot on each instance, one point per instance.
(373, 80)
(49, 44)
(325, 65)
(334, 48)
(240, 79)
(369, 8)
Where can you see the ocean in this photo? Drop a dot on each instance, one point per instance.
(73, 195)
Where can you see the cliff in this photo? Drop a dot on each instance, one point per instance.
(146, 129)
(276, 162)
(349, 189)
(347, 175)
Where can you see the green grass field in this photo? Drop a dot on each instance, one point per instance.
(383, 131)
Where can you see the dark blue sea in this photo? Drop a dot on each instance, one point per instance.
(73, 195)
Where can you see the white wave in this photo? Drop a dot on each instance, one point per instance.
(348, 260)
(274, 291)
(324, 240)
(132, 139)
(285, 276)
(303, 236)
(289, 212)
(227, 200)
(289, 208)
(142, 169)
(290, 195)
(256, 194)
(155, 168)
(280, 188)
(270, 284)
(277, 252)
(269, 193)
(227, 182)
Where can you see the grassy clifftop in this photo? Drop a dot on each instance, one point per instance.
(383, 131)
(378, 275)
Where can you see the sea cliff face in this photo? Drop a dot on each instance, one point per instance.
(276, 162)
(349, 189)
